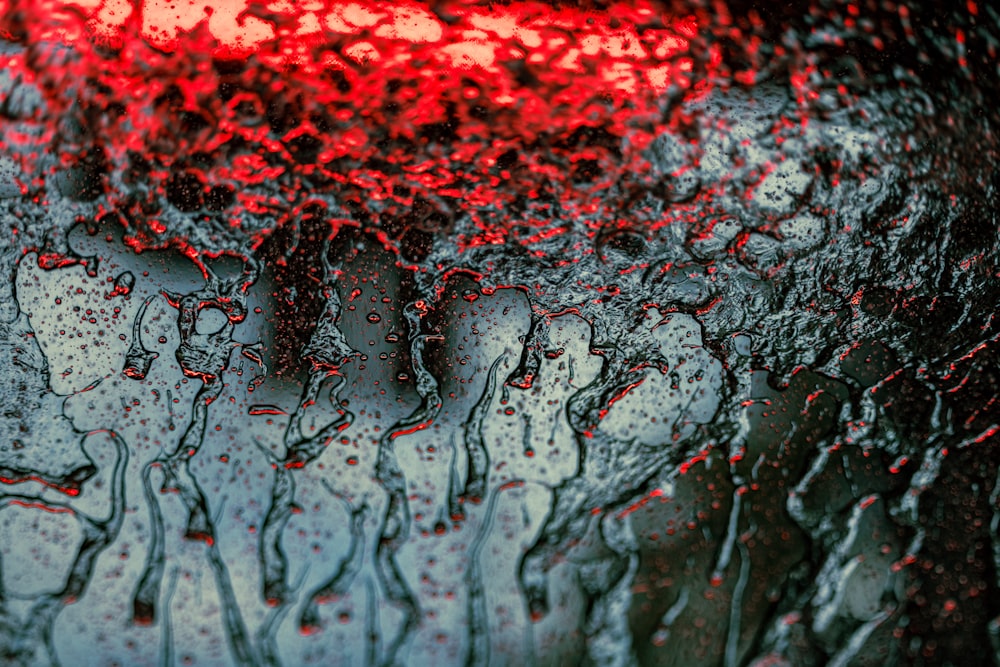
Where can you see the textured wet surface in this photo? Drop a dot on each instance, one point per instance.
(371, 334)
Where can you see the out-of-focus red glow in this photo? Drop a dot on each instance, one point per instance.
(397, 107)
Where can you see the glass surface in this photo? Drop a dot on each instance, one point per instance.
(468, 333)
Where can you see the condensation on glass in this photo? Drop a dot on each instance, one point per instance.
(370, 333)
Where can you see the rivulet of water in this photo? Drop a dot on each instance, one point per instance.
(482, 333)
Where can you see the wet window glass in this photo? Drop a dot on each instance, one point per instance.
(497, 333)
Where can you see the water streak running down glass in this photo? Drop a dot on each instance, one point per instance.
(498, 333)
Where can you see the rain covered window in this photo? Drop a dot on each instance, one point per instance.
(499, 333)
